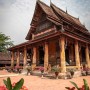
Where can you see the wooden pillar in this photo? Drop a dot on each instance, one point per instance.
(34, 58)
(77, 58)
(25, 56)
(87, 56)
(46, 56)
(18, 57)
(62, 54)
(12, 58)
(37, 52)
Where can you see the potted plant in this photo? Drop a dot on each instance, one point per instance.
(17, 68)
(85, 70)
(72, 71)
(42, 70)
(56, 70)
(29, 69)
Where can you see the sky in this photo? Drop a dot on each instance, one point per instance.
(16, 15)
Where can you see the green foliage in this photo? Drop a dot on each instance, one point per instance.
(17, 86)
(4, 42)
(29, 68)
(84, 87)
(71, 69)
(56, 69)
(75, 85)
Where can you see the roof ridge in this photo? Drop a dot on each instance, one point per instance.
(43, 3)
(67, 16)
(48, 8)
(73, 17)
(57, 7)
(64, 11)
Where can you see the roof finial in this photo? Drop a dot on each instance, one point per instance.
(78, 17)
(38, 0)
(66, 10)
(50, 2)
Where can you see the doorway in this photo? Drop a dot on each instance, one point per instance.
(83, 55)
(67, 55)
(41, 55)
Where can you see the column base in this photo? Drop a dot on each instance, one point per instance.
(33, 66)
(63, 70)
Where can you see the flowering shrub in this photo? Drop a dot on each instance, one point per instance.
(85, 70)
(14, 86)
(22, 88)
(84, 87)
(41, 69)
(71, 70)
(3, 88)
(18, 67)
(56, 69)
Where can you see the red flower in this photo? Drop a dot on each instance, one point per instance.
(3, 88)
(41, 69)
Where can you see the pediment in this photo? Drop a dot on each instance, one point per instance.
(38, 17)
(42, 12)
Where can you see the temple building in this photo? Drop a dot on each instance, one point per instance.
(5, 59)
(54, 38)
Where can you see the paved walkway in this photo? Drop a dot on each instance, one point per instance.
(11, 75)
(5, 73)
(37, 83)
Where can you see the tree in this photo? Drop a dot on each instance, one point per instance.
(5, 42)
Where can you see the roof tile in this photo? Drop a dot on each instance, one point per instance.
(67, 16)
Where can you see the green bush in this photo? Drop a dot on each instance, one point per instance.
(56, 69)
(17, 86)
(84, 87)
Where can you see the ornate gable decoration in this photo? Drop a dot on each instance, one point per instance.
(44, 16)
(42, 12)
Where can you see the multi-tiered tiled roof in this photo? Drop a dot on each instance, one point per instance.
(56, 16)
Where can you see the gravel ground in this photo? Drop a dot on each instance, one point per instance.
(38, 83)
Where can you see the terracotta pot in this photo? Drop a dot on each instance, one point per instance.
(56, 74)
